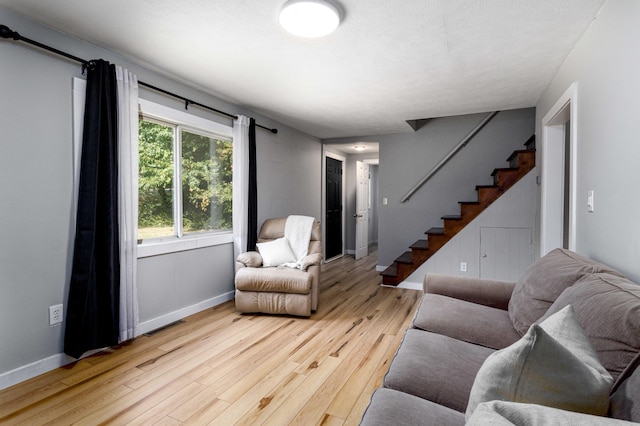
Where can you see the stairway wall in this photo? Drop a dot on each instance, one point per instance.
(406, 158)
(515, 209)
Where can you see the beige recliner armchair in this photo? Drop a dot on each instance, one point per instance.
(279, 290)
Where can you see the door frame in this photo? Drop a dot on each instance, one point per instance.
(552, 155)
(342, 158)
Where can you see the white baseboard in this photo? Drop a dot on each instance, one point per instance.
(34, 369)
(410, 285)
(42, 366)
(380, 268)
(147, 326)
(406, 285)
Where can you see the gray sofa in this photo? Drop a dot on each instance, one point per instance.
(463, 322)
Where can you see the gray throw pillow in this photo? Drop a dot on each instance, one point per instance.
(552, 365)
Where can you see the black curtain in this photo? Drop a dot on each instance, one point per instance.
(94, 292)
(252, 227)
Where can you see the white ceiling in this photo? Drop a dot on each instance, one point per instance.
(388, 62)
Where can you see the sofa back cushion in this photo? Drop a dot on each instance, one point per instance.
(543, 282)
(608, 308)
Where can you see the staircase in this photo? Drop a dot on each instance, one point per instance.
(520, 163)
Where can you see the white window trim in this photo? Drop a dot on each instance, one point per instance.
(164, 246)
(196, 241)
(173, 115)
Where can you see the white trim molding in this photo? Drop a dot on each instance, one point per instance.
(552, 165)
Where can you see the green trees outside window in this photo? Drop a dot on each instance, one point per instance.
(203, 166)
(206, 183)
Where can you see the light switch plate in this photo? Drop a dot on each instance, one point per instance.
(590, 201)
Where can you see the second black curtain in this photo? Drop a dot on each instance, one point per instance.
(252, 228)
(92, 319)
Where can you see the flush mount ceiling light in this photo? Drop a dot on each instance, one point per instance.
(309, 18)
(359, 147)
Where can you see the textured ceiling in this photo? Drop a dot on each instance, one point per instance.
(388, 62)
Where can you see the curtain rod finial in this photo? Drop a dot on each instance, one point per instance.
(5, 32)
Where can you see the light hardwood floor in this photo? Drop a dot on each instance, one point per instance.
(221, 367)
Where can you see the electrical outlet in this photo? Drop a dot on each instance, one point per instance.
(463, 266)
(55, 314)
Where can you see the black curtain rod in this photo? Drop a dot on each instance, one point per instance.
(6, 32)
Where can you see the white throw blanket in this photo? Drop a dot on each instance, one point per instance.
(297, 230)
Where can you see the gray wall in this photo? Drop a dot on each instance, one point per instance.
(606, 65)
(36, 195)
(289, 174)
(405, 158)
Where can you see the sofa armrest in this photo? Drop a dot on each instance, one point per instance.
(493, 293)
(250, 259)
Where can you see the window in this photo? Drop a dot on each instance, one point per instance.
(185, 175)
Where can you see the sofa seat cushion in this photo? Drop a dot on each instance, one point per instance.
(543, 282)
(273, 280)
(608, 308)
(502, 413)
(435, 367)
(390, 407)
(462, 320)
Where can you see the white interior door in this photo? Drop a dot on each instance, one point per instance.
(362, 210)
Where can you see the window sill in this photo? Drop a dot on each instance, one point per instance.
(156, 248)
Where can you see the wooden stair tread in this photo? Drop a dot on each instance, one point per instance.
(451, 217)
(404, 258)
(504, 169)
(391, 271)
(486, 186)
(514, 154)
(420, 245)
(470, 203)
(435, 231)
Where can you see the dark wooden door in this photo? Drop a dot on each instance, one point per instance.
(333, 237)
